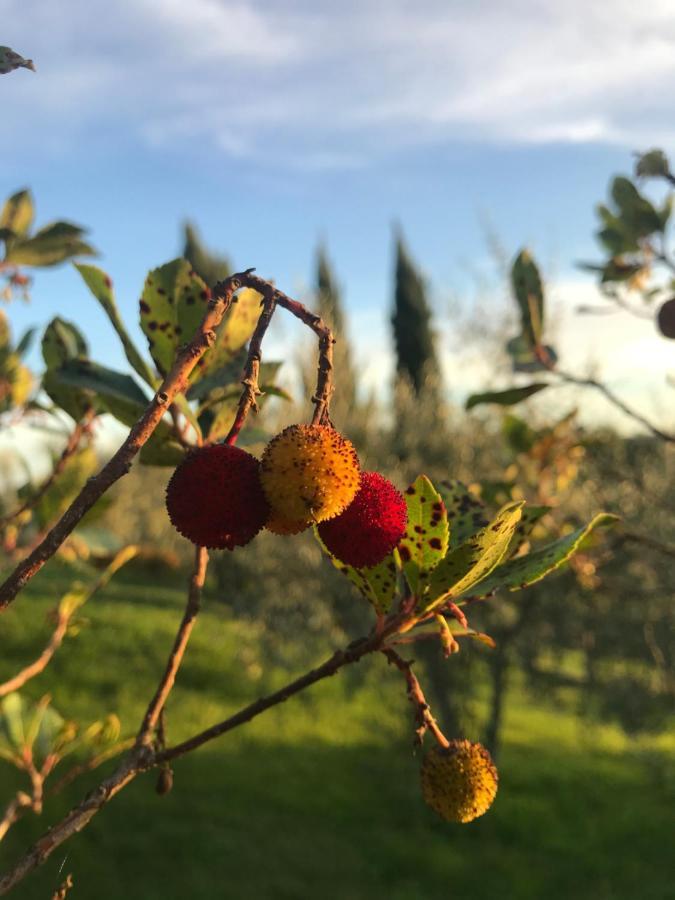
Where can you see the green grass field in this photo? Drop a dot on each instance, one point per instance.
(319, 798)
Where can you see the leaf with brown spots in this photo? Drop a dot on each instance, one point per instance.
(466, 513)
(525, 570)
(425, 541)
(531, 515)
(474, 560)
(172, 307)
(235, 330)
(378, 584)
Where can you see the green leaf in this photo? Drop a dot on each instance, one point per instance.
(652, 164)
(529, 294)
(518, 434)
(474, 559)
(466, 513)
(26, 341)
(529, 518)
(220, 379)
(62, 341)
(51, 245)
(637, 213)
(10, 60)
(12, 719)
(69, 399)
(525, 570)
(17, 214)
(50, 733)
(173, 304)
(508, 397)
(161, 450)
(235, 330)
(377, 584)
(425, 541)
(101, 287)
(84, 373)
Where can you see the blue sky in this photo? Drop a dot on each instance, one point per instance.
(276, 124)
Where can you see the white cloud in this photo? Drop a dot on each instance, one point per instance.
(337, 84)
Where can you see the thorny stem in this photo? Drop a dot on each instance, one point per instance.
(423, 717)
(252, 369)
(81, 429)
(324, 380)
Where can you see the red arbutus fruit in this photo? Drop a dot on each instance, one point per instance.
(371, 526)
(214, 497)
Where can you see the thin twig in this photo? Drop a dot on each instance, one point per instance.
(331, 666)
(324, 381)
(81, 429)
(252, 368)
(64, 615)
(166, 683)
(120, 463)
(647, 541)
(142, 757)
(14, 810)
(423, 716)
(568, 378)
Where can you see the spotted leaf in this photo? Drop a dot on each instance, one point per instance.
(474, 559)
(425, 541)
(466, 513)
(172, 306)
(377, 584)
(525, 570)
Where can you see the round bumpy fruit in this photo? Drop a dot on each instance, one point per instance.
(665, 318)
(459, 782)
(370, 527)
(309, 473)
(214, 497)
(278, 525)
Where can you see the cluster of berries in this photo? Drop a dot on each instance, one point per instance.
(221, 496)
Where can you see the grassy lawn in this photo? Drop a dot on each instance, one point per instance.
(319, 798)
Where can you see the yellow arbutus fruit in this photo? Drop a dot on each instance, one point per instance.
(309, 473)
(460, 781)
(278, 525)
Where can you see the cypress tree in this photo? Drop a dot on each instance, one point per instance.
(212, 267)
(415, 353)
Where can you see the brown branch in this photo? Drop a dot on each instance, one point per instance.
(92, 763)
(142, 757)
(81, 428)
(76, 819)
(423, 717)
(354, 652)
(64, 615)
(647, 541)
(174, 383)
(252, 368)
(13, 811)
(41, 662)
(166, 683)
(324, 381)
(568, 378)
